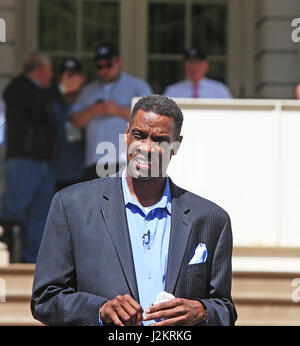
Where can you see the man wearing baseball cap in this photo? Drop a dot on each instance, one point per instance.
(69, 164)
(103, 110)
(196, 85)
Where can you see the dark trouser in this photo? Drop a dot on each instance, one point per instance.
(91, 171)
(28, 190)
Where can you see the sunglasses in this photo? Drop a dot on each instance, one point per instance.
(102, 66)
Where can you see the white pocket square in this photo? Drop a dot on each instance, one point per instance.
(200, 254)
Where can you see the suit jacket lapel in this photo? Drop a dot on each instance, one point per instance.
(114, 213)
(180, 232)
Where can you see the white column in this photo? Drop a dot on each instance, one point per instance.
(276, 55)
(133, 44)
(7, 49)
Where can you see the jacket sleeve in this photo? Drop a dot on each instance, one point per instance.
(55, 299)
(219, 306)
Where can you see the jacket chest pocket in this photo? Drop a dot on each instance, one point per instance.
(193, 281)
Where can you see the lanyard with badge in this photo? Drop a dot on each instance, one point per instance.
(73, 134)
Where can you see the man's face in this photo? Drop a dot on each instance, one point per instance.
(109, 70)
(151, 142)
(46, 74)
(195, 69)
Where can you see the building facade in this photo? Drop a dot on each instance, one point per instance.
(249, 42)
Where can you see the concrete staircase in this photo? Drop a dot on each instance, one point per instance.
(261, 297)
(266, 298)
(15, 287)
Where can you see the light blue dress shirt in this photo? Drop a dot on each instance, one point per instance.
(108, 128)
(207, 88)
(2, 122)
(150, 261)
(151, 255)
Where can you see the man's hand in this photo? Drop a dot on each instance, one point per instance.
(72, 83)
(97, 109)
(177, 312)
(122, 311)
(111, 108)
(81, 119)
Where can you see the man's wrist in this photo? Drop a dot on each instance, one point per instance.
(90, 112)
(100, 320)
(203, 314)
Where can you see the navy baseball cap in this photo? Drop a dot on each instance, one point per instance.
(106, 52)
(71, 64)
(194, 53)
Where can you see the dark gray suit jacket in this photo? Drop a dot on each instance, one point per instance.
(86, 258)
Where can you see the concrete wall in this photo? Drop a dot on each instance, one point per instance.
(241, 154)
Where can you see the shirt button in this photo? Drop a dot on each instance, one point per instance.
(149, 276)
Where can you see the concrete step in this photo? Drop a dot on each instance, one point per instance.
(17, 313)
(272, 283)
(265, 298)
(15, 292)
(17, 277)
(267, 314)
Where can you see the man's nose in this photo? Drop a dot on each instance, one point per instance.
(148, 146)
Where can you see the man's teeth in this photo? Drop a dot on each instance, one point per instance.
(143, 162)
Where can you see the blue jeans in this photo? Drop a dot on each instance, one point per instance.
(29, 188)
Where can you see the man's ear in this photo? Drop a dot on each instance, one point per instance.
(119, 62)
(205, 66)
(127, 133)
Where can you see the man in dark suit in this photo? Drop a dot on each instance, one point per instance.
(112, 245)
(31, 149)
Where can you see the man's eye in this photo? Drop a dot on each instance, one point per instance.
(136, 135)
(160, 140)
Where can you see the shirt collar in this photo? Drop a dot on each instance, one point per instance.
(33, 81)
(199, 83)
(164, 202)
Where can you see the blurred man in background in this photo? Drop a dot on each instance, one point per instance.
(196, 84)
(297, 90)
(103, 110)
(69, 166)
(2, 122)
(31, 147)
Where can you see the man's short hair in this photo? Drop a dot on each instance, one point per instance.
(160, 105)
(34, 60)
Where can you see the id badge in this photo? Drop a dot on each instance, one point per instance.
(73, 134)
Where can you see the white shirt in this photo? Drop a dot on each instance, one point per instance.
(207, 88)
(2, 122)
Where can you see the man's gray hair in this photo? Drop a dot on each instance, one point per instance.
(34, 60)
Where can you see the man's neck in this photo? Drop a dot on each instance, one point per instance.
(112, 81)
(33, 79)
(196, 82)
(147, 192)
